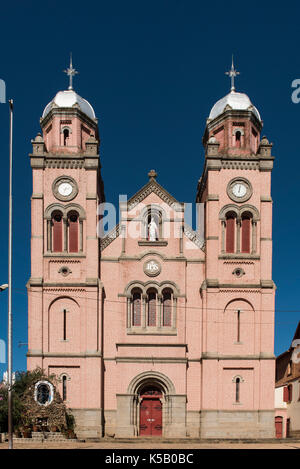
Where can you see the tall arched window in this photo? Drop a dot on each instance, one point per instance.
(66, 134)
(64, 388)
(246, 229)
(73, 231)
(136, 307)
(237, 389)
(238, 137)
(230, 232)
(167, 308)
(57, 232)
(152, 301)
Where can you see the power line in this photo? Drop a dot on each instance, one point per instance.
(184, 307)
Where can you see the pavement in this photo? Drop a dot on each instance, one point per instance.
(137, 445)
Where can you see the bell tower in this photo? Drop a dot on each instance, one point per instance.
(63, 290)
(238, 291)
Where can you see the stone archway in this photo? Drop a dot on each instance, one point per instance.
(172, 412)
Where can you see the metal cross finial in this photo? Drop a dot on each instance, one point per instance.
(232, 73)
(71, 72)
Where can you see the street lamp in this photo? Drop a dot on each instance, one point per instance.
(3, 287)
(9, 329)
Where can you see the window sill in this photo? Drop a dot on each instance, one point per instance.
(153, 243)
(151, 331)
(63, 254)
(239, 255)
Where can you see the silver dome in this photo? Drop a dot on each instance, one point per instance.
(67, 99)
(237, 101)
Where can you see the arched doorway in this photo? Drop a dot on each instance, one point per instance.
(150, 411)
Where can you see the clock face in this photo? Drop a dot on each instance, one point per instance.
(65, 188)
(239, 189)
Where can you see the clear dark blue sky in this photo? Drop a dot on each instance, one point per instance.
(152, 70)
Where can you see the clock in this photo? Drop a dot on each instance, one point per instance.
(65, 188)
(239, 189)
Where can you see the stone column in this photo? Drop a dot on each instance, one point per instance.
(65, 231)
(159, 310)
(238, 235)
(144, 311)
(223, 236)
(80, 235)
(49, 236)
(174, 312)
(128, 313)
(254, 237)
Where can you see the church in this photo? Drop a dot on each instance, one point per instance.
(155, 329)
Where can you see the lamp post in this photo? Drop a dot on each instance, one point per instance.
(9, 331)
(3, 287)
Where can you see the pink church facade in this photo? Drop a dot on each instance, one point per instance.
(155, 329)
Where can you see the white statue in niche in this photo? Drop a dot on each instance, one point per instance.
(152, 230)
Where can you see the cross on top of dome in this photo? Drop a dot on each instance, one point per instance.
(232, 74)
(71, 72)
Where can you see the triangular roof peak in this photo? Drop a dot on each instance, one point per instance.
(153, 186)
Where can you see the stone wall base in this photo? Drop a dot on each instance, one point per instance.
(237, 424)
(88, 423)
(205, 424)
(193, 419)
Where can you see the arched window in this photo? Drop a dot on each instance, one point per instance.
(152, 302)
(64, 324)
(136, 307)
(167, 308)
(238, 137)
(230, 232)
(246, 229)
(57, 232)
(237, 389)
(66, 134)
(64, 388)
(73, 231)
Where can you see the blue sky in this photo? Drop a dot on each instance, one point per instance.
(152, 70)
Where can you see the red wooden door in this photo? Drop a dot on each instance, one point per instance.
(278, 427)
(150, 415)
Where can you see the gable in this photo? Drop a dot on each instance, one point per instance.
(153, 187)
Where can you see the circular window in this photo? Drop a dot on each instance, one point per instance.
(43, 393)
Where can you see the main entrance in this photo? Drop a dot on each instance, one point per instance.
(150, 412)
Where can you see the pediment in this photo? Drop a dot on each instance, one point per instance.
(153, 187)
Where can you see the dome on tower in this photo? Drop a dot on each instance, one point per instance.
(69, 98)
(236, 101)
